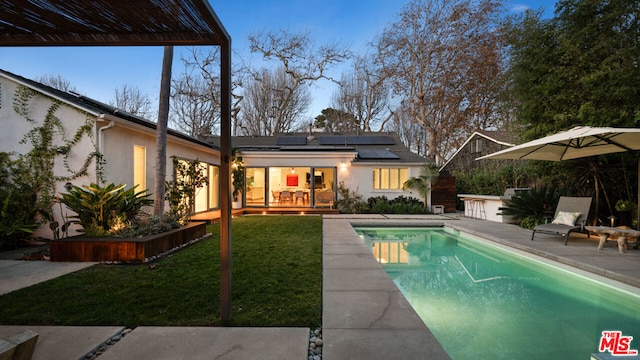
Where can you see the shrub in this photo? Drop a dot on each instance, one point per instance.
(349, 202)
(16, 217)
(530, 208)
(379, 205)
(144, 224)
(99, 208)
(17, 204)
(181, 192)
(399, 205)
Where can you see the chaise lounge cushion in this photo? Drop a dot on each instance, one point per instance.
(566, 218)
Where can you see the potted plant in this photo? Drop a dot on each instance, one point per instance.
(237, 172)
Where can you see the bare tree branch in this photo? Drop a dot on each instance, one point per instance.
(130, 99)
(301, 63)
(364, 93)
(57, 82)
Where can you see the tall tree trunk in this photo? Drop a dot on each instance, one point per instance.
(161, 132)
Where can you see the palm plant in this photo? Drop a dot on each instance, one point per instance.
(422, 184)
(98, 207)
(530, 208)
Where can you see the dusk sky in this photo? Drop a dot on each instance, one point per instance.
(97, 71)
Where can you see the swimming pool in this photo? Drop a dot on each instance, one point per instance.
(483, 301)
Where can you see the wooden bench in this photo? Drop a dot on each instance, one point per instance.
(19, 346)
(621, 235)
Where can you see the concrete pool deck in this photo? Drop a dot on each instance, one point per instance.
(364, 314)
(365, 317)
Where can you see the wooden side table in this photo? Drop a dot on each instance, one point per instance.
(622, 234)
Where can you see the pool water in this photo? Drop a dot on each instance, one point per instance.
(484, 302)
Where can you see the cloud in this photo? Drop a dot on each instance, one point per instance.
(518, 8)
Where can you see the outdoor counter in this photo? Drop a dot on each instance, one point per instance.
(485, 207)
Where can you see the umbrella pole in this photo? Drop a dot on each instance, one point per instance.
(638, 208)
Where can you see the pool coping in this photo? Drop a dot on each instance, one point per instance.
(364, 314)
(364, 318)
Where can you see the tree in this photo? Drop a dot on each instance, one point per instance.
(195, 95)
(333, 120)
(364, 93)
(578, 68)
(410, 132)
(298, 61)
(161, 133)
(272, 103)
(57, 82)
(130, 99)
(195, 108)
(423, 182)
(437, 56)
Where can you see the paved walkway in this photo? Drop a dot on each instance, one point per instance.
(364, 314)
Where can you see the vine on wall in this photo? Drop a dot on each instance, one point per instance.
(49, 142)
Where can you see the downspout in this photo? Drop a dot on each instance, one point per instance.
(101, 130)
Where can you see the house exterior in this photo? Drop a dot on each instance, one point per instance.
(288, 170)
(480, 143)
(304, 169)
(125, 142)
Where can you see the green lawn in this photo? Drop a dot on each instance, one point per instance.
(277, 281)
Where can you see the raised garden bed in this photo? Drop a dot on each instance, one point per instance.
(127, 250)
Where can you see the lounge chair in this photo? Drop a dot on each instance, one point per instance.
(571, 215)
(324, 198)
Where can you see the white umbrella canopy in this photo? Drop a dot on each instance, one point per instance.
(579, 142)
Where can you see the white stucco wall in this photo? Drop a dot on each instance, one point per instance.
(360, 179)
(15, 127)
(116, 143)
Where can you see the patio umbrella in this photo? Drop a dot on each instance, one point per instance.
(581, 141)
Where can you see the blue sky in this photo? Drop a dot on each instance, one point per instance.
(97, 71)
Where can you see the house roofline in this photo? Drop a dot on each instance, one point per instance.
(469, 139)
(96, 108)
(308, 154)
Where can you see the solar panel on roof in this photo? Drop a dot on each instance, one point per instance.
(332, 140)
(370, 140)
(376, 154)
(291, 140)
(356, 140)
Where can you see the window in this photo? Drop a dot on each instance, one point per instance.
(476, 146)
(214, 189)
(140, 167)
(389, 178)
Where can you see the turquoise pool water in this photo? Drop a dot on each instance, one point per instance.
(485, 302)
